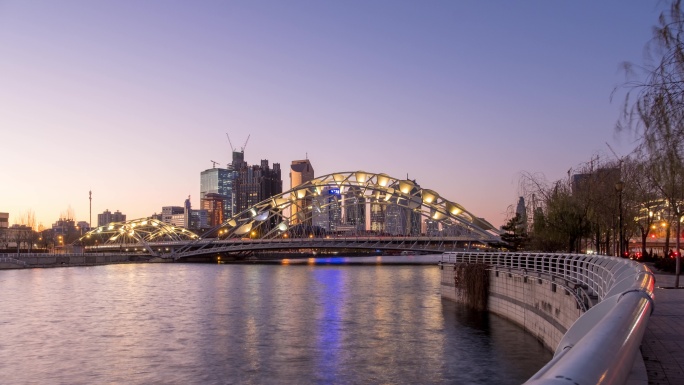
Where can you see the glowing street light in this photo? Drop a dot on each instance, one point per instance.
(619, 186)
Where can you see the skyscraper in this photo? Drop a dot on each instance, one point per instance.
(301, 172)
(355, 208)
(252, 184)
(214, 205)
(327, 209)
(219, 183)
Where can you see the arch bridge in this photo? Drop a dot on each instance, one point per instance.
(346, 210)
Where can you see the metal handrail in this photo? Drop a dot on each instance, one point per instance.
(12, 260)
(601, 345)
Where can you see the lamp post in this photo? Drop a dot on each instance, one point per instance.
(618, 187)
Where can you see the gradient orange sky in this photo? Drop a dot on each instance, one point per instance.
(132, 99)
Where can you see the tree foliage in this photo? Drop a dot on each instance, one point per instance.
(515, 233)
(657, 111)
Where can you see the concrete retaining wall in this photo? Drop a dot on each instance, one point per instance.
(56, 260)
(543, 307)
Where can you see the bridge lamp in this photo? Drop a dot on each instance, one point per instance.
(405, 186)
(436, 215)
(383, 180)
(301, 193)
(279, 202)
(429, 196)
(338, 178)
(453, 209)
(253, 233)
(361, 176)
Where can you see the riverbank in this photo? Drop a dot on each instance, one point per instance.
(14, 261)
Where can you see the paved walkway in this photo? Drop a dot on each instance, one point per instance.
(663, 343)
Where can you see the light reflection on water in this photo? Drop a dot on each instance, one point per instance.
(251, 324)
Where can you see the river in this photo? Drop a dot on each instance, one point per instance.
(311, 322)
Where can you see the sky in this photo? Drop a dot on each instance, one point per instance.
(133, 99)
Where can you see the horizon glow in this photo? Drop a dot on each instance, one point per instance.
(132, 100)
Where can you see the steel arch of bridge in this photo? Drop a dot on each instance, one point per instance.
(292, 214)
(136, 233)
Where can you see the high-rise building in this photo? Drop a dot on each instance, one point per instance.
(108, 217)
(398, 215)
(301, 172)
(185, 216)
(377, 216)
(4, 220)
(254, 183)
(521, 210)
(169, 211)
(326, 212)
(219, 182)
(355, 208)
(214, 205)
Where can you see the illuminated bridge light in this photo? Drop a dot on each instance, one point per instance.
(321, 208)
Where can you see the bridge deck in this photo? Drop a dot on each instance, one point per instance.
(663, 343)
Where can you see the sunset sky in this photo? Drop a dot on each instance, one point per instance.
(133, 99)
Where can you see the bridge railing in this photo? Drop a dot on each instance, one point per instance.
(602, 344)
(5, 259)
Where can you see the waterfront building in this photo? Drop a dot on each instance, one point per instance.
(185, 216)
(108, 217)
(82, 227)
(377, 216)
(400, 219)
(64, 231)
(177, 220)
(21, 236)
(521, 212)
(214, 204)
(431, 227)
(254, 183)
(219, 183)
(301, 172)
(4, 220)
(169, 211)
(327, 210)
(354, 206)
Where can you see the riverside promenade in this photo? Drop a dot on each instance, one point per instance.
(663, 345)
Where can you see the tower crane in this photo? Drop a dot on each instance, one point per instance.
(214, 162)
(231, 143)
(243, 146)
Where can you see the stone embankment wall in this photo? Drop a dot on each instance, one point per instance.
(56, 260)
(542, 306)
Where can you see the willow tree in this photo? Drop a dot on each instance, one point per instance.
(654, 109)
(560, 218)
(643, 196)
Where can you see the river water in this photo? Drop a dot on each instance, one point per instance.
(297, 323)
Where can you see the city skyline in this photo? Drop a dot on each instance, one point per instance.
(132, 101)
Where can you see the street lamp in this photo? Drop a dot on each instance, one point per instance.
(618, 187)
